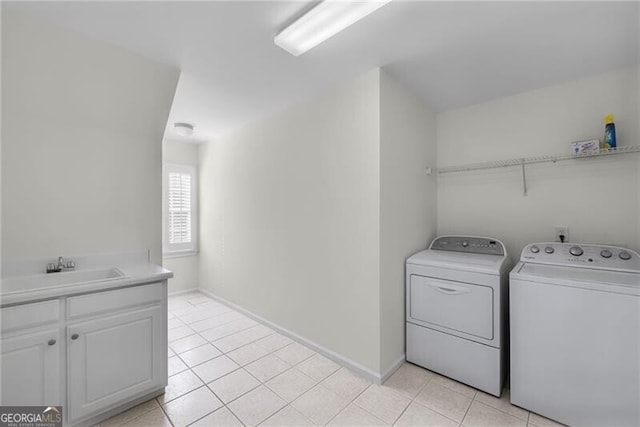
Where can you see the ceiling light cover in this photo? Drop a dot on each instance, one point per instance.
(183, 129)
(322, 22)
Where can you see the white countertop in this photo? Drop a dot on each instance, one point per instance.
(18, 289)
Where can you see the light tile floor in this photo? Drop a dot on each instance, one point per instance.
(226, 369)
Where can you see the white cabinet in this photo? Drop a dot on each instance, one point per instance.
(114, 358)
(30, 366)
(94, 353)
(31, 354)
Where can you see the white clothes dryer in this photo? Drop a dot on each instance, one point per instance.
(456, 312)
(575, 333)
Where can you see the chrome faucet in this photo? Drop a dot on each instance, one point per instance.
(61, 265)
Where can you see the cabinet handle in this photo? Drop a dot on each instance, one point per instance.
(74, 336)
(51, 342)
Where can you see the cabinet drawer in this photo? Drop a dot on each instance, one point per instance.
(29, 315)
(99, 302)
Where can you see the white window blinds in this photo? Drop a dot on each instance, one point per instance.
(180, 233)
(179, 208)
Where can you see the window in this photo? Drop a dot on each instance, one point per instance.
(180, 212)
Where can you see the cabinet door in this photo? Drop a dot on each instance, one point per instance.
(113, 359)
(30, 366)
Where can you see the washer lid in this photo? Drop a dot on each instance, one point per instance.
(490, 264)
(576, 276)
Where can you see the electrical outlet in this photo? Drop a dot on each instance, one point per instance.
(562, 231)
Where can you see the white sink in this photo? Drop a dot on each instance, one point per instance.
(65, 278)
(84, 276)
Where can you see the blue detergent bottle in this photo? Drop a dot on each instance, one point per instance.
(609, 133)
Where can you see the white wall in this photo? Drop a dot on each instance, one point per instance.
(179, 152)
(81, 143)
(596, 198)
(290, 219)
(407, 203)
(186, 269)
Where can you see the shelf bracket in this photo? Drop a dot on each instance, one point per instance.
(524, 178)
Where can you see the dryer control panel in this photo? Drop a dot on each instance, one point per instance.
(579, 255)
(468, 244)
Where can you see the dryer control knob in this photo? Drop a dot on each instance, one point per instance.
(549, 250)
(576, 251)
(465, 243)
(625, 256)
(535, 249)
(605, 253)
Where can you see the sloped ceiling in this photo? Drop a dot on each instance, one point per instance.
(450, 53)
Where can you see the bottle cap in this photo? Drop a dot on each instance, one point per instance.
(608, 118)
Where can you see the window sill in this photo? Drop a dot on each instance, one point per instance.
(179, 254)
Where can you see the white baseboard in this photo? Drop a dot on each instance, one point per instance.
(357, 368)
(394, 367)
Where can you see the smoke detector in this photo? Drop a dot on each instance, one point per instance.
(183, 129)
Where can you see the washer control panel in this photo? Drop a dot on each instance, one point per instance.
(579, 255)
(468, 244)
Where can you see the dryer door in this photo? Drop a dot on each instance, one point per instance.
(457, 306)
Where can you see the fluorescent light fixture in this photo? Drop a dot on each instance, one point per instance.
(322, 22)
(183, 129)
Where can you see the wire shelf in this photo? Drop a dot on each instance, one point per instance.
(533, 160)
(522, 162)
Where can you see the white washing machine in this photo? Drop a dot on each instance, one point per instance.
(457, 310)
(575, 332)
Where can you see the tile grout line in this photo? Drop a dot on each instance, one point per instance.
(228, 373)
(240, 395)
(288, 405)
(353, 402)
(212, 344)
(467, 411)
(295, 366)
(410, 403)
(227, 335)
(206, 318)
(190, 368)
(206, 385)
(240, 331)
(225, 405)
(261, 383)
(505, 412)
(336, 415)
(434, 410)
(165, 412)
(413, 399)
